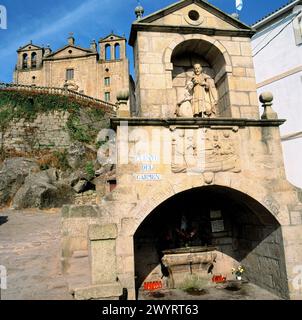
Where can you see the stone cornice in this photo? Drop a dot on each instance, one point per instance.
(136, 27)
(70, 57)
(199, 122)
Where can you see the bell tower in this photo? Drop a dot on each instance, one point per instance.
(30, 57)
(113, 67)
(113, 48)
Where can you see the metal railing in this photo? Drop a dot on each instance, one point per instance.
(107, 106)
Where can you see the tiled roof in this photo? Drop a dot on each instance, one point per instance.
(275, 11)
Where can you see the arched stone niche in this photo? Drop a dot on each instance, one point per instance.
(180, 57)
(251, 235)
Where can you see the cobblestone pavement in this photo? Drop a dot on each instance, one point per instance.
(30, 250)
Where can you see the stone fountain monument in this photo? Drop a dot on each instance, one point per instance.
(192, 141)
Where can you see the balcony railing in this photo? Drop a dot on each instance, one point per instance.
(108, 107)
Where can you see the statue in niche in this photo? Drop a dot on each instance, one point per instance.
(200, 98)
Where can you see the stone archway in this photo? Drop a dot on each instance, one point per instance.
(252, 235)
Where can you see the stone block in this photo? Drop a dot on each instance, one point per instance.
(250, 72)
(153, 81)
(245, 62)
(103, 261)
(233, 48)
(246, 49)
(124, 246)
(296, 218)
(110, 291)
(242, 84)
(81, 211)
(102, 232)
(241, 39)
(239, 72)
(239, 98)
(253, 98)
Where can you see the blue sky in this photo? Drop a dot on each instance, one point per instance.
(50, 21)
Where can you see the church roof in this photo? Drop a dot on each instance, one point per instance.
(87, 51)
(276, 13)
(110, 36)
(30, 44)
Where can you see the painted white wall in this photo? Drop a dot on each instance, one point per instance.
(279, 56)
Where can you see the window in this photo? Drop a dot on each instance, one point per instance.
(108, 52)
(69, 74)
(34, 60)
(107, 96)
(117, 51)
(107, 81)
(194, 15)
(25, 61)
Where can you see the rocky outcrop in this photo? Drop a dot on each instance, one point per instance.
(12, 175)
(77, 155)
(43, 190)
(24, 185)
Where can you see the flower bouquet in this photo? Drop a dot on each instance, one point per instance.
(238, 272)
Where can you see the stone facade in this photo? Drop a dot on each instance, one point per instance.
(84, 70)
(170, 167)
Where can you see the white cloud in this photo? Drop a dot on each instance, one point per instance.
(53, 25)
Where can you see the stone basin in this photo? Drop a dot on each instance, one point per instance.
(184, 262)
(189, 250)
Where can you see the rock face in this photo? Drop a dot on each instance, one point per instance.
(76, 155)
(12, 175)
(43, 190)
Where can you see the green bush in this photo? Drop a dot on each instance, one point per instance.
(61, 160)
(89, 168)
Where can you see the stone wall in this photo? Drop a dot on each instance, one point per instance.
(47, 131)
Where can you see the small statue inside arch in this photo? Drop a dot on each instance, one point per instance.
(200, 98)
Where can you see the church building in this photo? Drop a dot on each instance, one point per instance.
(96, 72)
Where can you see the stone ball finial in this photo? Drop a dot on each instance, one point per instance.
(123, 95)
(139, 11)
(266, 97)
